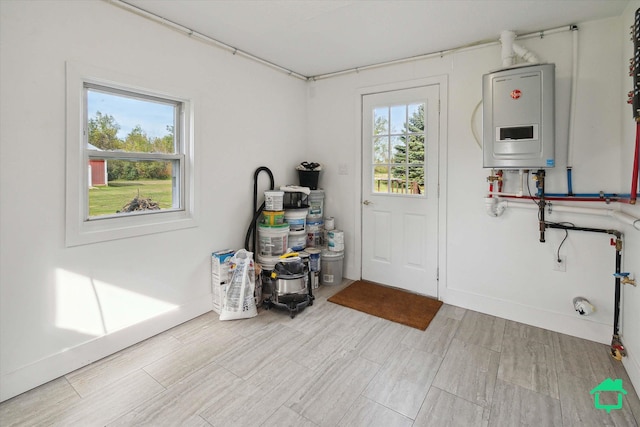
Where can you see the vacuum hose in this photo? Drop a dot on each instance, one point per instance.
(252, 230)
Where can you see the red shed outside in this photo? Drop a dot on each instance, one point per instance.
(97, 170)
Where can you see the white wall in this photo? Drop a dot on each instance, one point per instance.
(630, 295)
(497, 265)
(247, 115)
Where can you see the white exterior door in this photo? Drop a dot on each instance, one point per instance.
(400, 138)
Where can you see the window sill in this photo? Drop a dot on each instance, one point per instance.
(107, 229)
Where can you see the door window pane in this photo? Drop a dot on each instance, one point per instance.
(381, 121)
(416, 148)
(381, 150)
(398, 181)
(398, 119)
(416, 117)
(398, 149)
(380, 179)
(416, 181)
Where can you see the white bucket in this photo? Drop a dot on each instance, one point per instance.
(335, 240)
(316, 203)
(332, 263)
(296, 218)
(315, 231)
(267, 263)
(273, 200)
(335, 247)
(297, 240)
(336, 235)
(273, 239)
(329, 223)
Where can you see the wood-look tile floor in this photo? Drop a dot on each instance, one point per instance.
(333, 366)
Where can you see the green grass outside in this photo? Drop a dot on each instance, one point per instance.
(107, 200)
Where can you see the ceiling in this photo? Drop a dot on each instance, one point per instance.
(312, 37)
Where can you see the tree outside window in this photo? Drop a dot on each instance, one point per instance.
(399, 149)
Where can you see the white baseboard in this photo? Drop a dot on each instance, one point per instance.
(68, 360)
(553, 321)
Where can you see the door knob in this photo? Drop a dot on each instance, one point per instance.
(367, 202)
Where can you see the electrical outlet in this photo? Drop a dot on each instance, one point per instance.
(560, 265)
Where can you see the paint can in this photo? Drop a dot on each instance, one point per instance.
(273, 200)
(296, 218)
(314, 259)
(335, 240)
(332, 263)
(273, 239)
(272, 217)
(297, 240)
(315, 230)
(316, 204)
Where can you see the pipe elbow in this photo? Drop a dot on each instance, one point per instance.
(494, 207)
(525, 54)
(511, 50)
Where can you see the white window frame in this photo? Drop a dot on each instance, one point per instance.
(80, 229)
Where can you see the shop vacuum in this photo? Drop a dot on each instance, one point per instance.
(286, 283)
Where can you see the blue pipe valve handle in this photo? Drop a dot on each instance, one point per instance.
(621, 275)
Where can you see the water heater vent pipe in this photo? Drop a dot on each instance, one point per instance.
(511, 50)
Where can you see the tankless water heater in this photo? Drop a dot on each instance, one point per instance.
(518, 118)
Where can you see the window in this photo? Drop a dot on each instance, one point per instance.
(398, 137)
(129, 158)
(134, 142)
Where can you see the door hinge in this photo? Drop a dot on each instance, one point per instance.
(438, 106)
(438, 274)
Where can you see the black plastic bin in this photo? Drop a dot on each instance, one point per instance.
(309, 179)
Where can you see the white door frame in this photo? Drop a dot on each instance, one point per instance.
(442, 81)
